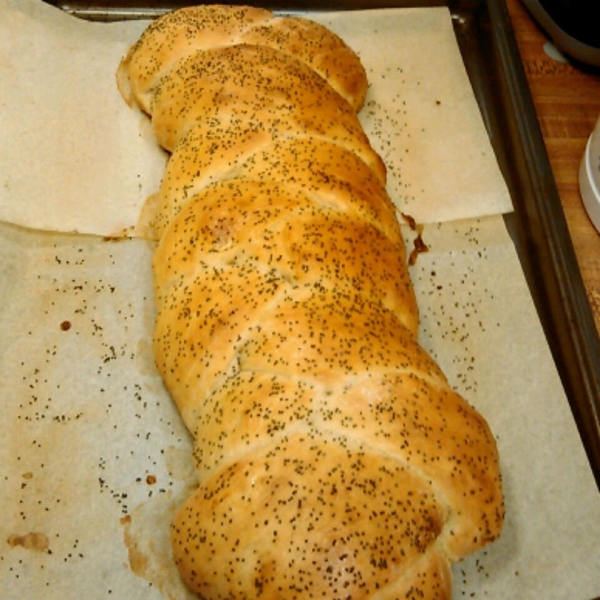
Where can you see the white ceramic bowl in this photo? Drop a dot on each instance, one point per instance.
(589, 176)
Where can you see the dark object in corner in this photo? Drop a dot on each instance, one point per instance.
(573, 26)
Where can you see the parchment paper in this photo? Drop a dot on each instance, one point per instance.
(78, 160)
(95, 460)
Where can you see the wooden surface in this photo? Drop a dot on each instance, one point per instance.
(567, 101)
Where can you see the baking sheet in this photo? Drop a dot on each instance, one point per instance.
(548, 548)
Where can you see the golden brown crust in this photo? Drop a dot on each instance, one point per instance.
(333, 458)
(335, 173)
(181, 33)
(320, 49)
(306, 518)
(265, 88)
(239, 221)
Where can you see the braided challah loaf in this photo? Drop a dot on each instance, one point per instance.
(334, 461)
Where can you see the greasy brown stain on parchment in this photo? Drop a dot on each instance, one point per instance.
(138, 562)
(419, 246)
(146, 533)
(34, 540)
